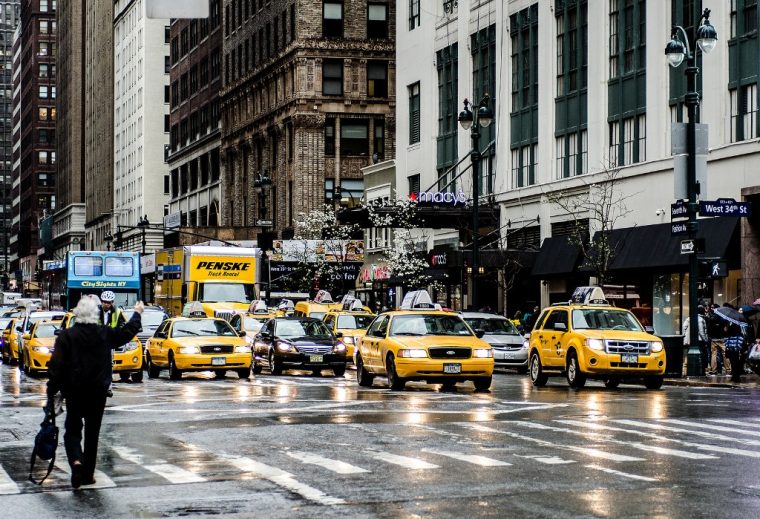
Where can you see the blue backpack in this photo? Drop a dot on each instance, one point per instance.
(45, 444)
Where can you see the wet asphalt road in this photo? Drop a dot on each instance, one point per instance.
(304, 446)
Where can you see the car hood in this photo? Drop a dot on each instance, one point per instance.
(502, 340)
(308, 341)
(432, 341)
(617, 335)
(203, 341)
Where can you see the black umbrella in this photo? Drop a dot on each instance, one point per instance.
(732, 316)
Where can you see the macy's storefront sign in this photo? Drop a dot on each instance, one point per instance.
(438, 197)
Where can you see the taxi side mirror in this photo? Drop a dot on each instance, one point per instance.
(19, 328)
(160, 335)
(241, 333)
(649, 329)
(378, 333)
(265, 336)
(560, 327)
(27, 337)
(480, 333)
(339, 335)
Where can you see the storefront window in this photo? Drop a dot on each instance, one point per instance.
(667, 309)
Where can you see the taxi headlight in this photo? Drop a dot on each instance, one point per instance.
(348, 340)
(243, 349)
(412, 354)
(132, 346)
(339, 347)
(482, 353)
(41, 349)
(656, 346)
(595, 344)
(189, 350)
(285, 347)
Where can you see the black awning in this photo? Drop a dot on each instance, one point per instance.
(557, 257)
(501, 258)
(653, 246)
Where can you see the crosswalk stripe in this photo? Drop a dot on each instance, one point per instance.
(704, 434)
(619, 473)
(734, 422)
(7, 485)
(171, 473)
(546, 460)
(588, 451)
(103, 481)
(403, 461)
(283, 479)
(634, 445)
(336, 466)
(714, 427)
(701, 446)
(475, 459)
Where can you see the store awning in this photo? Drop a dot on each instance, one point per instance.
(557, 257)
(653, 246)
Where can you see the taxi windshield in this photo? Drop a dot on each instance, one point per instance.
(354, 322)
(253, 325)
(492, 326)
(301, 329)
(45, 331)
(429, 324)
(202, 328)
(605, 319)
(4, 323)
(317, 315)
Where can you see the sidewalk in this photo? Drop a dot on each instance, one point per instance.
(748, 381)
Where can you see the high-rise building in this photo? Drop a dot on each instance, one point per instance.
(9, 17)
(36, 144)
(308, 100)
(15, 197)
(194, 184)
(141, 133)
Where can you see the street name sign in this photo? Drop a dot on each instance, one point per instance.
(678, 228)
(679, 210)
(693, 246)
(264, 223)
(724, 207)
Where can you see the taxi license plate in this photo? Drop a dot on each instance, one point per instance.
(315, 358)
(452, 368)
(218, 361)
(629, 358)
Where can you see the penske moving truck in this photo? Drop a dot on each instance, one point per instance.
(222, 279)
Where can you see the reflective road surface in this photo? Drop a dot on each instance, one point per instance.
(305, 446)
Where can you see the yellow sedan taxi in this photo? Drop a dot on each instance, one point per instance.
(589, 338)
(185, 344)
(10, 341)
(351, 322)
(39, 346)
(420, 342)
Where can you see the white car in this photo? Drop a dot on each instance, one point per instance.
(509, 347)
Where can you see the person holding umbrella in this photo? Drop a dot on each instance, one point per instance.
(735, 345)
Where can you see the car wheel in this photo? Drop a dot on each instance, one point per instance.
(339, 372)
(244, 373)
(575, 377)
(25, 365)
(220, 373)
(611, 382)
(395, 382)
(174, 372)
(137, 376)
(153, 370)
(274, 367)
(537, 375)
(482, 383)
(654, 382)
(28, 367)
(21, 362)
(256, 368)
(124, 377)
(363, 377)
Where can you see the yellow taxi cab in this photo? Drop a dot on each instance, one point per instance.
(318, 307)
(183, 344)
(260, 311)
(127, 359)
(249, 324)
(10, 341)
(351, 322)
(589, 338)
(422, 342)
(39, 344)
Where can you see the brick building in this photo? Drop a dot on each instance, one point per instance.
(308, 100)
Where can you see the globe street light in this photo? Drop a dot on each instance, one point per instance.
(676, 51)
(483, 117)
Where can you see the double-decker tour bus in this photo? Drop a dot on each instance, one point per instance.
(92, 272)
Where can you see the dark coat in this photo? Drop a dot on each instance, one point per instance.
(81, 360)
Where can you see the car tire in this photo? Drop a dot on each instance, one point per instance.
(611, 382)
(339, 372)
(220, 373)
(575, 377)
(654, 382)
(153, 370)
(25, 366)
(363, 377)
(275, 368)
(395, 382)
(244, 373)
(124, 377)
(256, 368)
(174, 372)
(482, 383)
(537, 375)
(137, 376)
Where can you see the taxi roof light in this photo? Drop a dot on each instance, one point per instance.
(324, 297)
(590, 295)
(258, 307)
(286, 304)
(418, 300)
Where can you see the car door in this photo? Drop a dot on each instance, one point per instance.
(156, 348)
(369, 344)
(554, 338)
(261, 345)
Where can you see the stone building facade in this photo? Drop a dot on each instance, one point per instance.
(308, 100)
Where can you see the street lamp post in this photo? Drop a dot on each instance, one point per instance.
(143, 223)
(469, 121)
(676, 51)
(108, 238)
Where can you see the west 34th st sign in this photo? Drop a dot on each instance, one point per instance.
(725, 207)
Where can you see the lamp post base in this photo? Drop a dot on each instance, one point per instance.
(694, 362)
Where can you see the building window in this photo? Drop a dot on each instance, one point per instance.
(614, 47)
(379, 144)
(414, 184)
(332, 19)
(354, 140)
(42, 157)
(377, 79)
(166, 184)
(414, 14)
(414, 113)
(524, 165)
(744, 113)
(332, 77)
(43, 48)
(43, 91)
(483, 49)
(523, 27)
(447, 63)
(750, 16)
(330, 137)
(377, 21)
(44, 70)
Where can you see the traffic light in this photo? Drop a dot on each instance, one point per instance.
(712, 268)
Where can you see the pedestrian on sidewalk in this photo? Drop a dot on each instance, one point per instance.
(716, 333)
(80, 368)
(702, 337)
(735, 345)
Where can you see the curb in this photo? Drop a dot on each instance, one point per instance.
(699, 383)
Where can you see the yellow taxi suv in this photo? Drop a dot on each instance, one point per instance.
(8, 341)
(318, 308)
(588, 338)
(38, 347)
(420, 342)
(351, 322)
(198, 344)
